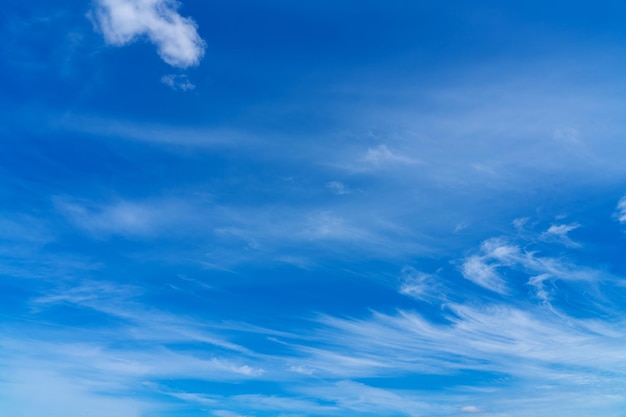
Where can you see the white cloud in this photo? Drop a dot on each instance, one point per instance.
(559, 233)
(178, 82)
(417, 284)
(527, 343)
(561, 229)
(176, 37)
(499, 255)
(482, 269)
(534, 344)
(118, 301)
(483, 274)
(520, 222)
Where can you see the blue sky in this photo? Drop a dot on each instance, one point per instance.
(240, 208)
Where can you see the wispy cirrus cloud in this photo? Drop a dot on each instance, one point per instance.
(96, 365)
(139, 322)
(512, 326)
(176, 37)
(499, 256)
(559, 233)
(532, 346)
(484, 274)
(335, 366)
(418, 284)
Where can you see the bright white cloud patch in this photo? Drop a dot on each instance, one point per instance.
(176, 37)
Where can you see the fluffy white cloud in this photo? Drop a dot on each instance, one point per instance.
(176, 37)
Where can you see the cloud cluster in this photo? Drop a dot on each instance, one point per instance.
(499, 256)
(176, 37)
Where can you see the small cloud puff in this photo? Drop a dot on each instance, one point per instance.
(559, 233)
(561, 229)
(124, 21)
(178, 82)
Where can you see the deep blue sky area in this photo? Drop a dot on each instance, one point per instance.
(287, 209)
